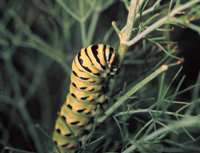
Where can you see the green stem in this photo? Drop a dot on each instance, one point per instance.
(64, 6)
(189, 122)
(125, 34)
(189, 25)
(93, 26)
(148, 111)
(183, 7)
(127, 30)
(116, 28)
(132, 91)
(147, 31)
(162, 21)
(82, 24)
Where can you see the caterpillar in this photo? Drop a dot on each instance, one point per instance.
(91, 70)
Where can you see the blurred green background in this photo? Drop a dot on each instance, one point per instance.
(38, 41)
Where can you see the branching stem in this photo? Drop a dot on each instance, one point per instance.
(132, 91)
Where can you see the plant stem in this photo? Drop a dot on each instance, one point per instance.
(82, 24)
(148, 111)
(189, 25)
(162, 21)
(189, 122)
(125, 34)
(93, 25)
(132, 91)
(64, 6)
(127, 30)
(147, 31)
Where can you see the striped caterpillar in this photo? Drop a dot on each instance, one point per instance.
(91, 70)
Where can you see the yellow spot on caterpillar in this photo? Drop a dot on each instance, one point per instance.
(73, 108)
(90, 80)
(95, 71)
(56, 126)
(66, 102)
(89, 88)
(62, 132)
(59, 144)
(80, 124)
(61, 113)
(86, 111)
(90, 98)
(69, 145)
(67, 120)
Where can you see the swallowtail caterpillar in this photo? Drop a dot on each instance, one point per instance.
(91, 70)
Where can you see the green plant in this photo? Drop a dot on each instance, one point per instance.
(38, 40)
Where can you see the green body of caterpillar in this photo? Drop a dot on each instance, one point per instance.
(91, 70)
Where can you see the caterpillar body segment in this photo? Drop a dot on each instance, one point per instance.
(91, 70)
